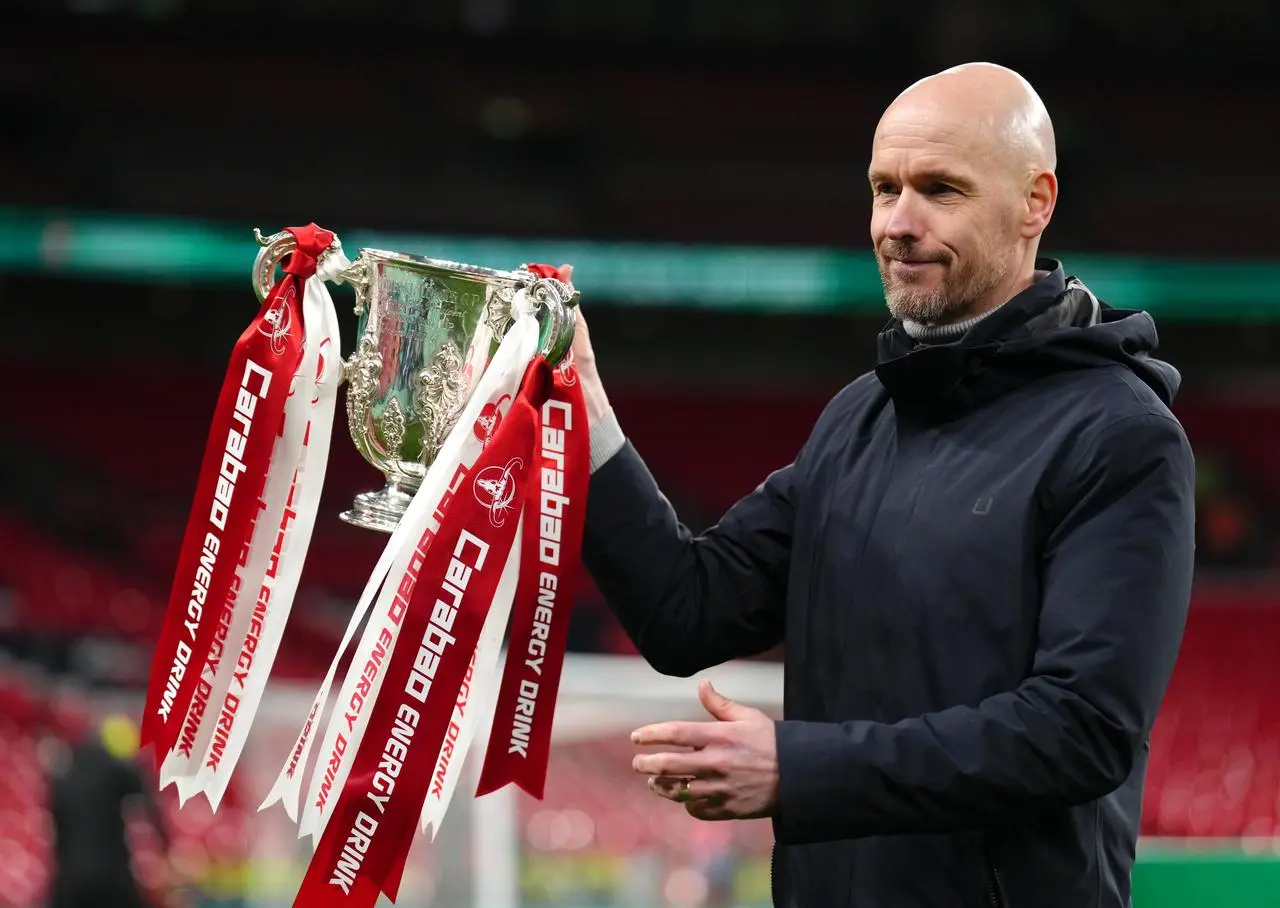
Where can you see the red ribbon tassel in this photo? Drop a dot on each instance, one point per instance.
(247, 420)
(520, 740)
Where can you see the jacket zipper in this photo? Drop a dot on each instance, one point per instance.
(773, 885)
(995, 889)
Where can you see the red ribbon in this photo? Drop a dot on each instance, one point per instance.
(555, 512)
(364, 846)
(247, 420)
(548, 271)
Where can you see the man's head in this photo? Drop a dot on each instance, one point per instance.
(962, 180)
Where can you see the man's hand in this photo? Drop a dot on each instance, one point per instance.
(731, 773)
(584, 359)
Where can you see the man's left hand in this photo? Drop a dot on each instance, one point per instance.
(731, 772)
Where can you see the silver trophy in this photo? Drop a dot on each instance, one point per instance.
(426, 331)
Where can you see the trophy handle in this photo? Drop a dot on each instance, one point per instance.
(274, 249)
(278, 245)
(557, 304)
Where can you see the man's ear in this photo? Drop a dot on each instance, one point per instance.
(1042, 196)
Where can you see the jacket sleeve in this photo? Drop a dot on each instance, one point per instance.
(689, 602)
(1117, 572)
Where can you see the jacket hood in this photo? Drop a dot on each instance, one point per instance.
(1055, 325)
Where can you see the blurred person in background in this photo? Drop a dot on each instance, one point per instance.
(92, 793)
(980, 562)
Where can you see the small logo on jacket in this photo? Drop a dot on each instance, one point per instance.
(982, 507)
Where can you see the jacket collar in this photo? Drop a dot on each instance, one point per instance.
(942, 380)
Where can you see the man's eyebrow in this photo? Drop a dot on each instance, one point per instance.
(950, 177)
(927, 177)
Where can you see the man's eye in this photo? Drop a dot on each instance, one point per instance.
(885, 189)
(941, 189)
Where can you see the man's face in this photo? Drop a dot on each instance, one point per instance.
(944, 216)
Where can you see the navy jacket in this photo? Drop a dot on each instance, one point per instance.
(980, 563)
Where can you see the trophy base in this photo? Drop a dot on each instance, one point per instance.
(380, 510)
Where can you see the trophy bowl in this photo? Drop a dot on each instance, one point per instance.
(426, 331)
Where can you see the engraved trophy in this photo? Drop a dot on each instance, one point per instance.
(425, 333)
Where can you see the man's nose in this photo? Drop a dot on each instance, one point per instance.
(905, 218)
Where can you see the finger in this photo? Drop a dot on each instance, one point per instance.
(709, 810)
(722, 707)
(566, 273)
(581, 336)
(715, 702)
(695, 763)
(683, 790)
(681, 734)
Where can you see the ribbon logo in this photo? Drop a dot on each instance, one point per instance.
(490, 419)
(277, 321)
(495, 488)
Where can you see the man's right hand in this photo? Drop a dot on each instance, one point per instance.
(584, 358)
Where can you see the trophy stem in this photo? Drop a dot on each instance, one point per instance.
(380, 510)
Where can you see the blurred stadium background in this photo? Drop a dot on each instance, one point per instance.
(702, 165)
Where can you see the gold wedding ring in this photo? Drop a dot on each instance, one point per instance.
(685, 796)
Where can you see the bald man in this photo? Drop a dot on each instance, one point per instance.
(980, 561)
